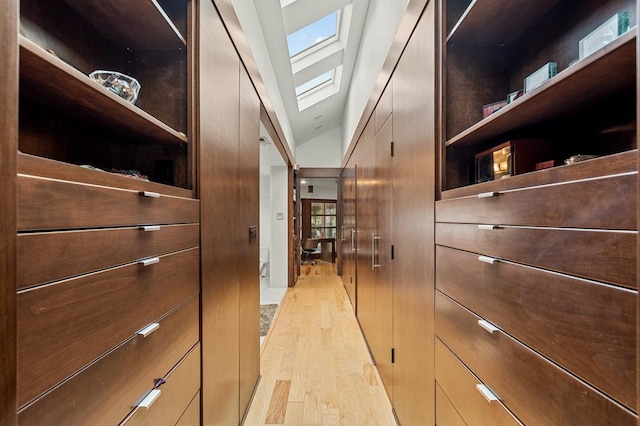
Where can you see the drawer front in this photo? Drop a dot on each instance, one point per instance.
(604, 203)
(191, 416)
(105, 392)
(533, 389)
(65, 325)
(51, 204)
(446, 414)
(586, 327)
(608, 256)
(458, 387)
(182, 385)
(51, 256)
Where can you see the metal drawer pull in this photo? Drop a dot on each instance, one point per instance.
(150, 228)
(149, 194)
(486, 392)
(149, 399)
(487, 259)
(488, 227)
(149, 329)
(488, 194)
(488, 326)
(149, 261)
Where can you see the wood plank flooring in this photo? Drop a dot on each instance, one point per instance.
(316, 369)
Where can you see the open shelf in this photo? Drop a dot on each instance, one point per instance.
(606, 72)
(491, 22)
(614, 164)
(44, 167)
(66, 87)
(139, 24)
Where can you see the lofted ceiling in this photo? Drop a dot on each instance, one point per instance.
(315, 108)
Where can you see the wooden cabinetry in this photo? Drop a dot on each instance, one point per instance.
(108, 276)
(536, 273)
(229, 116)
(393, 161)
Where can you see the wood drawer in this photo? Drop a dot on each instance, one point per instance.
(51, 256)
(191, 416)
(183, 383)
(606, 203)
(458, 387)
(608, 256)
(54, 204)
(105, 392)
(535, 390)
(446, 414)
(64, 326)
(588, 328)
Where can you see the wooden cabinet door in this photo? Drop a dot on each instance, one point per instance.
(248, 212)
(219, 93)
(382, 343)
(364, 234)
(413, 225)
(347, 245)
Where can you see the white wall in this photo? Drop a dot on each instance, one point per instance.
(383, 19)
(321, 151)
(265, 211)
(246, 12)
(279, 227)
(321, 192)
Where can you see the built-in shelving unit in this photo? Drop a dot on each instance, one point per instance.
(68, 89)
(68, 117)
(606, 72)
(119, 21)
(536, 222)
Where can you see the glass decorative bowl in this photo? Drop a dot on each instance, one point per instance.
(122, 85)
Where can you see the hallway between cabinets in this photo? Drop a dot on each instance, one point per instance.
(315, 366)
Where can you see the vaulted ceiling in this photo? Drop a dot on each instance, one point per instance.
(315, 108)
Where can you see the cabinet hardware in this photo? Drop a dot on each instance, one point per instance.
(150, 228)
(149, 329)
(488, 194)
(149, 194)
(488, 326)
(353, 240)
(488, 227)
(486, 392)
(149, 261)
(374, 265)
(487, 259)
(148, 400)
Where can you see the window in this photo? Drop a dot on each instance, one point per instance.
(323, 220)
(311, 35)
(314, 82)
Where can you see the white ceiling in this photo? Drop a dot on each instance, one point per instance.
(277, 18)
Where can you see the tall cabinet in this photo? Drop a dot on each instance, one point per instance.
(536, 256)
(395, 161)
(125, 293)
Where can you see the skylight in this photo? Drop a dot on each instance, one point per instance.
(314, 82)
(313, 34)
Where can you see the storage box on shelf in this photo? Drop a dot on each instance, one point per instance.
(549, 292)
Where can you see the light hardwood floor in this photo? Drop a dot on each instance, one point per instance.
(316, 369)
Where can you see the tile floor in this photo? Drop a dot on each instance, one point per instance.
(269, 295)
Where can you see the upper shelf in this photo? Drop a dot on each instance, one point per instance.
(605, 72)
(490, 22)
(64, 85)
(141, 24)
